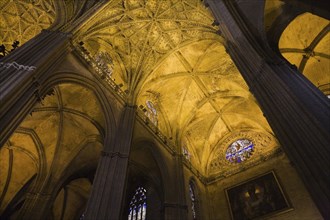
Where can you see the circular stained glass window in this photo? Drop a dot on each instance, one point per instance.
(239, 151)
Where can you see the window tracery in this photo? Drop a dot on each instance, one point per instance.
(21, 20)
(82, 217)
(186, 153)
(151, 112)
(138, 205)
(239, 151)
(104, 62)
(192, 199)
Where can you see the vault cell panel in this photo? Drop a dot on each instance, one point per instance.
(216, 58)
(317, 70)
(324, 45)
(194, 52)
(82, 100)
(302, 31)
(47, 127)
(219, 129)
(73, 135)
(294, 58)
(21, 161)
(25, 142)
(169, 67)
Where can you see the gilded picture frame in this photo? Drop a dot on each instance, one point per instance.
(257, 198)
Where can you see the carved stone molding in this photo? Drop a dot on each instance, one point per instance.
(264, 146)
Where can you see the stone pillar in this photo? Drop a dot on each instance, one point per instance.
(23, 72)
(297, 111)
(110, 180)
(177, 209)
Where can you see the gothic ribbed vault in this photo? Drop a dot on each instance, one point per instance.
(303, 40)
(168, 52)
(21, 20)
(168, 58)
(62, 137)
(305, 43)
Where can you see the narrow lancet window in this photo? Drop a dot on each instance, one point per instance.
(152, 113)
(104, 62)
(193, 200)
(138, 205)
(186, 153)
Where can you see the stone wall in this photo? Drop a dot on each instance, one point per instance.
(295, 191)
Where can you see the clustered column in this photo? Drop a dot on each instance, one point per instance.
(23, 73)
(109, 183)
(178, 208)
(298, 113)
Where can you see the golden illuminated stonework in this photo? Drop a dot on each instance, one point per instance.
(305, 43)
(169, 53)
(23, 19)
(138, 35)
(263, 147)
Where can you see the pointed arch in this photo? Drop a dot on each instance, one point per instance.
(194, 199)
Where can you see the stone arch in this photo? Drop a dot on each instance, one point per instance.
(265, 146)
(158, 155)
(195, 203)
(69, 12)
(103, 128)
(138, 178)
(15, 156)
(309, 53)
(71, 199)
(107, 105)
(33, 17)
(152, 173)
(17, 201)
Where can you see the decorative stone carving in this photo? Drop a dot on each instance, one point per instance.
(104, 62)
(142, 33)
(17, 66)
(23, 19)
(264, 146)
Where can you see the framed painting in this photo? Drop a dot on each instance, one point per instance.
(256, 198)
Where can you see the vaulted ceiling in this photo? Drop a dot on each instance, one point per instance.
(305, 43)
(302, 38)
(166, 52)
(169, 53)
(21, 20)
(61, 138)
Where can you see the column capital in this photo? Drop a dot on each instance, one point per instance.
(113, 154)
(175, 205)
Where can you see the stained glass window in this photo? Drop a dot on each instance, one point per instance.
(186, 153)
(151, 112)
(239, 151)
(82, 217)
(193, 200)
(104, 61)
(138, 205)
